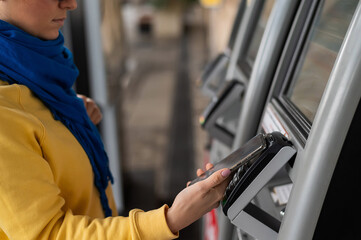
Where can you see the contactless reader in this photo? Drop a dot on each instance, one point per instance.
(249, 179)
(253, 165)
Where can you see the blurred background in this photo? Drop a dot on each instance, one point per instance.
(141, 61)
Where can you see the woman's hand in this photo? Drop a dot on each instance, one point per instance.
(198, 199)
(92, 109)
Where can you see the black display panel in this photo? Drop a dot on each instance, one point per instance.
(319, 54)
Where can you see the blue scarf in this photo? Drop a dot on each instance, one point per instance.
(48, 70)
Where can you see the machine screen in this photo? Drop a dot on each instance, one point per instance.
(319, 55)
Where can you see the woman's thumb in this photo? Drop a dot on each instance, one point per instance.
(218, 177)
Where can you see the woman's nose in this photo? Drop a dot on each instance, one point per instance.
(68, 4)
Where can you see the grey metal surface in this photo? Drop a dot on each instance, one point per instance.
(98, 83)
(265, 63)
(254, 227)
(244, 32)
(279, 160)
(218, 74)
(226, 229)
(261, 77)
(215, 79)
(264, 198)
(219, 108)
(332, 120)
(95, 51)
(110, 136)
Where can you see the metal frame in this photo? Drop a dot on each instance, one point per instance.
(317, 157)
(324, 144)
(84, 32)
(265, 65)
(315, 164)
(243, 37)
(217, 68)
(230, 97)
(260, 80)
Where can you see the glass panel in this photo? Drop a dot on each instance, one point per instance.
(319, 55)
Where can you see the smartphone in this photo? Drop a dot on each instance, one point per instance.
(241, 156)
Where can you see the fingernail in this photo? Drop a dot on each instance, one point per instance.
(226, 173)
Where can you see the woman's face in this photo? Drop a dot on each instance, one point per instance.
(40, 18)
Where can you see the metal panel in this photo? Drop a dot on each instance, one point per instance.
(326, 138)
(266, 61)
(99, 93)
(244, 34)
(262, 75)
(95, 51)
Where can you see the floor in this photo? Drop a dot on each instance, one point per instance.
(164, 143)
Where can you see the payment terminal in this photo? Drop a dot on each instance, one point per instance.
(253, 165)
(249, 171)
(213, 77)
(249, 180)
(220, 117)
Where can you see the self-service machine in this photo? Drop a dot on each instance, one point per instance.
(314, 102)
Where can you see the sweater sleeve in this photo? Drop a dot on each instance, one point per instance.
(139, 225)
(31, 206)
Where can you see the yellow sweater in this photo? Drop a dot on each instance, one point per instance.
(46, 181)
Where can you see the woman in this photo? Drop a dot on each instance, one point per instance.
(55, 179)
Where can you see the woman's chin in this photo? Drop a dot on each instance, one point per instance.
(49, 36)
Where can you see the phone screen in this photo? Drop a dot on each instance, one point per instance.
(240, 156)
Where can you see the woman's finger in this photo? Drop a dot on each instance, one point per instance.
(199, 172)
(217, 178)
(209, 166)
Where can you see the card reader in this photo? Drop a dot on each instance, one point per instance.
(248, 172)
(249, 179)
